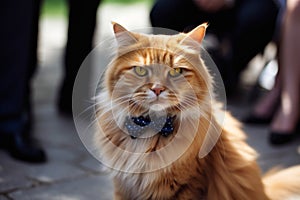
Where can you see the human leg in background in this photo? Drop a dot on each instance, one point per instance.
(265, 108)
(16, 20)
(33, 61)
(284, 124)
(82, 22)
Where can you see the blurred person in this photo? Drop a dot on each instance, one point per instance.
(19, 62)
(243, 29)
(15, 36)
(82, 23)
(81, 27)
(280, 106)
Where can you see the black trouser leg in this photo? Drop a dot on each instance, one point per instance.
(82, 22)
(32, 64)
(16, 23)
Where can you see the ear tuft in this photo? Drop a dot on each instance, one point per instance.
(117, 28)
(123, 36)
(198, 33)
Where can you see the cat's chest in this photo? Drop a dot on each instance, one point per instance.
(163, 186)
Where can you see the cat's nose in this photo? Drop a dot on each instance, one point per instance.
(157, 89)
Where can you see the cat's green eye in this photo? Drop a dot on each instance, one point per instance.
(174, 72)
(141, 71)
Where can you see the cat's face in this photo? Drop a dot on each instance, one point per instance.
(158, 73)
(155, 103)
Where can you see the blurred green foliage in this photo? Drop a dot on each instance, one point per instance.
(59, 7)
(124, 1)
(54, 8)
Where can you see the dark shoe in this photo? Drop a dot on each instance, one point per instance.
(22, 148)
(252, 119)
(279, 138)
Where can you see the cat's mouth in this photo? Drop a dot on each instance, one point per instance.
(138, 108)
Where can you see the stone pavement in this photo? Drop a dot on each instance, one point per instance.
(71, 172)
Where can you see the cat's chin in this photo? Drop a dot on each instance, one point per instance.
(153, 109)
(161, 110)
(157, 108)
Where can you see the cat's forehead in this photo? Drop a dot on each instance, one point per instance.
(158, 58)
(167, 42)
(160, 50)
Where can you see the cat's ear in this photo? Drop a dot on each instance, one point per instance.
(197, 33)
(123, 36)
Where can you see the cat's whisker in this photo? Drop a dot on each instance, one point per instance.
(193, 100)
(94, 109)
(120, 101)
(94, 102)
(122, 97)
(137, 106)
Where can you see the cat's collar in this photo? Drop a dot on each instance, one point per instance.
(136, 126)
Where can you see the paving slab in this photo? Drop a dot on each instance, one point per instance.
(92, 164)
(54, 171)
(56, 131)
(11, 175)
(257, 137)
(59, 154)
(20, 175)
(3, 198)
(85, 188)
(271, 156)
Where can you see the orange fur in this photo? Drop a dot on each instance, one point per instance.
(141, 171)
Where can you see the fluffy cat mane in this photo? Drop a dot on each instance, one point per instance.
(172, 167)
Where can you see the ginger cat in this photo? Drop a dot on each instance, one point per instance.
(157, 117)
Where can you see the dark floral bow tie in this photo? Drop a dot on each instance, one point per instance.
(136, 126)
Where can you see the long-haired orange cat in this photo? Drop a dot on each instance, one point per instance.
(162, 133)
